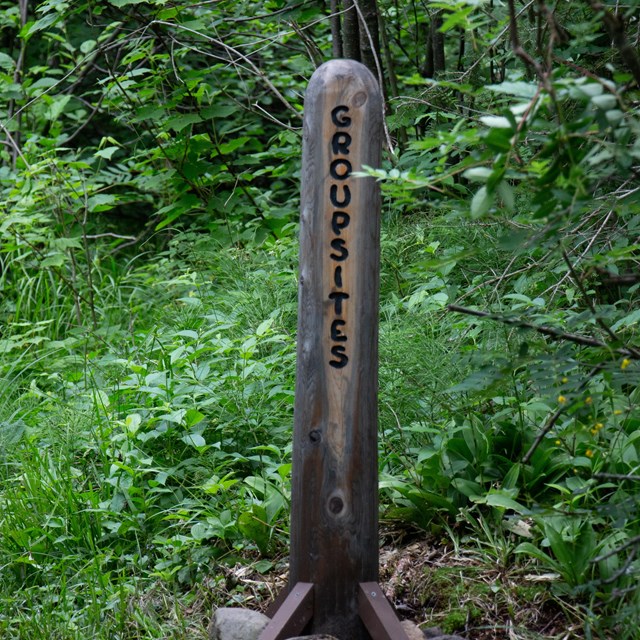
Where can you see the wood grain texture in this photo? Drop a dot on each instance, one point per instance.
(334, 526)
(377, 614)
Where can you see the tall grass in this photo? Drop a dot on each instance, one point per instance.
(143, 458)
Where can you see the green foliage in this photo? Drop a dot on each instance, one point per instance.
(150, 161)
(540, 434)
(146, 460)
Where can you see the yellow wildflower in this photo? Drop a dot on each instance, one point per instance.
(561, 399)
(588, 400)
(589, 453)
(558, 443)
(565, 380)
(625, 363)
(617, 412)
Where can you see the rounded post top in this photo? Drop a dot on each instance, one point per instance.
(341, 70)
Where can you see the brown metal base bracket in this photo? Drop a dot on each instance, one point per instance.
(292, 616)
(377, 614)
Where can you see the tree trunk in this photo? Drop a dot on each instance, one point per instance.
(369, 36)
(437, 43)
(336, 29)
(350, 32)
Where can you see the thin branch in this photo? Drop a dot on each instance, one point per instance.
(615, 27)
(629, 543)
(616, 476)
(109, 235)
(376, 57)
(601, 323)
(86, 121)
(551, 332)
(505, 275)
(517, 48)
(89, 64)
(622, 570)
(554, 418)
(592, 239)
(232, 50)
(14, 146)
(495, 41)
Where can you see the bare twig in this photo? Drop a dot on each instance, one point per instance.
(109, 235)
(601, 323)
(504, 276)
(593, 237)
(495, 41)
(376, 57)
(95, 108)
(615, 27)
(622, 570)
(554, 418)
(15, 147)
(233, 51)
(551, 332)
(518, 49)
(616, 476)
(629, 543)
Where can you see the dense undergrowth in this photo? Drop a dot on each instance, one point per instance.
(148, 455)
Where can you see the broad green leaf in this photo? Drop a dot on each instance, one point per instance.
(604, 101)
(56, 260)
(124, 3)
(133, 422)
(628, 321)
(39, 25)
(502, 501)
(176, 354)
(505, 191)
(87, 46)
(106, 153)
(457, 18)
(175, 210)
(533, 551)
(193, 417)
(264, 326)
(178, 123)
(478, 174)
(253, 526)
(481, 202)
(218, 111)
(496, 122)
(614, 116)
(101, 202)
(467, 488)
(40, 86)
(6, 62)
(11, 432)
(518, 89)
(175, 416)
(232, 145)
(194, 440)
(201, 531)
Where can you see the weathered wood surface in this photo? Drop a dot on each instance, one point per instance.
(334, 522)
(377, 614)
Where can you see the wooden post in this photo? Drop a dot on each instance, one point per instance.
(334, 512)
(334, 518)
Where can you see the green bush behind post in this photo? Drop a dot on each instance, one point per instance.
(147, 267)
